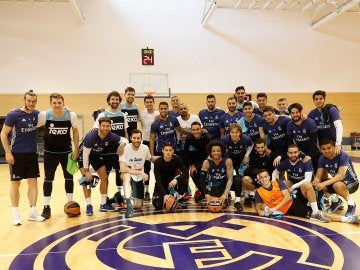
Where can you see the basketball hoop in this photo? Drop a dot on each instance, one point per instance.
(150, 93)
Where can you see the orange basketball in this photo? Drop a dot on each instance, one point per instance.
(215, 205)
(72, 209)
(171, 204)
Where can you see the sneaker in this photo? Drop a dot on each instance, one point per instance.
(89, 210)
(129, 211)
(354, 220)
(202, 200)
(350, 211)
(106, 208)
(247, 202)
(46, 213)
(147, 197)
(16, 221)
(186, 196)
(319, 216)
(238, 206)
(335, 206)
(36, 217)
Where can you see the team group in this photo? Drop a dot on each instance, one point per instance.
(284, 161)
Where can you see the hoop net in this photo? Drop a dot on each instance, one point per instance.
(150, 93)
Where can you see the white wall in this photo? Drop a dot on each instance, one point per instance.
(45, 47)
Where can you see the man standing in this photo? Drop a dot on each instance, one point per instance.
(275, 127)
(230, 117)
(130, 109)
(303, 132)
(119, 126)
(240, 96)
(251, 124)
(175, 106)
(163, 130)
(185, 120)
(57, 146)
(343, 180)
(94, 145)
(132, 171)
(147, 117)
(21, 155)
(210, 117)
(327, 119)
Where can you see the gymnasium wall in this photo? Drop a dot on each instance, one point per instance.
(44, 46)
(85, 104)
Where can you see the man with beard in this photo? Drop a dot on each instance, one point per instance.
(210, 117)
(299, 176)
(240, 96)
(21, 156)
(303, 132)
(230, 117)
(175, 109)
(195, 153)
(94, 145)
(119, 126)
(327, 119)
(251, 124)
(261, 100)
(259, 159)
(147, 117)
(130, 109)
(132, 171)
(163, 130)
(185, 120)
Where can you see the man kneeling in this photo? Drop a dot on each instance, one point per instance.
(132, 171)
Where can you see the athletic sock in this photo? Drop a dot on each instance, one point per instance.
(237, 199)
(47, 200)
(103, 198)
(314, 207)
(345, 219)
(350, 202)
(69, 196)
(15, 210)
(88, 201)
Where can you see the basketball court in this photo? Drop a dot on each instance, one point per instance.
(191, 238)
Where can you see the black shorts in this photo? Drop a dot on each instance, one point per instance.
(299, 207)
(26, 166)
(137, 189)
(217, 191)
(351, 184)
(111, 162)
(95, 161)
(51, 161)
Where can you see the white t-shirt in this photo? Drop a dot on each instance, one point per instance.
(186, 124)
(135, 159)
(147, 119)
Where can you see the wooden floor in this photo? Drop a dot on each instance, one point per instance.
(188, 239)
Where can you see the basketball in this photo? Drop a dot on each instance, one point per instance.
(171, 204)
(72, 209)
(215, 205)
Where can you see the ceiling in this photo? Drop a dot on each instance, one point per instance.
(321, 10)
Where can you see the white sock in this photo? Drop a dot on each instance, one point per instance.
(146, 188)
(246, 193)
(335, 198)
(47, 200)
(314, 207)
(69, 196)
(345, 219)
(16, 210)
(103, 198)
(350, 202)
(32, 210)
(237, 199)
(252, 193)
(121, 190)
(88, 201)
